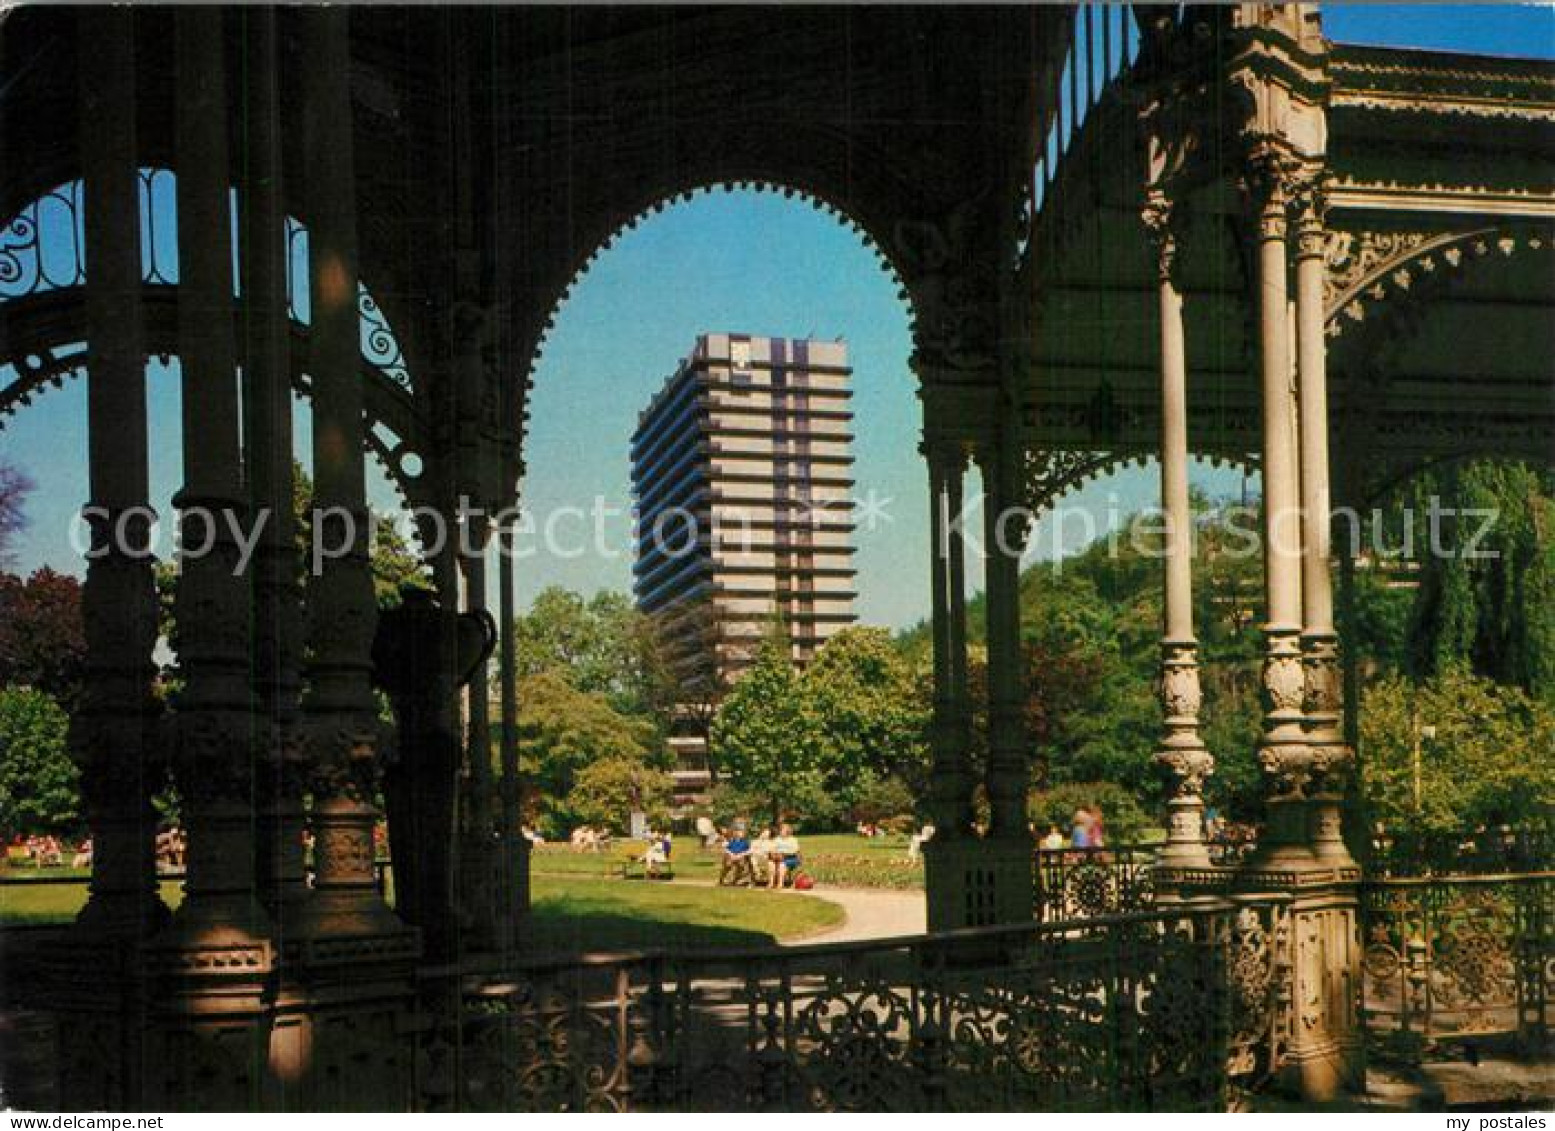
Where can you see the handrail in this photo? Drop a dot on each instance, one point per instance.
(1462, 879)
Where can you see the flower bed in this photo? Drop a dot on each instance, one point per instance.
(872, 871)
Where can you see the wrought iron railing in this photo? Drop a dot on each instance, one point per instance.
(1459, 957)
(1495, 850)
(43, 248)
(1173, 1010)
(1080, 883)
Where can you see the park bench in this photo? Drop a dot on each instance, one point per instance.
(627, 861)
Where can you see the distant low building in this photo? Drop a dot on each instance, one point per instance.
(742, 471)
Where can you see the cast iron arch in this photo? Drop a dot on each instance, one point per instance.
(655, 203)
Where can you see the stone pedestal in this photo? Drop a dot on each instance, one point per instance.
(1324, 1055)
(977, 883)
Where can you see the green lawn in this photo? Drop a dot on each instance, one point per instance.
(571, 913)
(834, 860)
(57, 903)
(576, 914)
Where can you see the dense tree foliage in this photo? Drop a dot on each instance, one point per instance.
(39, 784)
(600, 645)
(771, 742)
(42, 641)
(841, 739)
(561, 732)
(1456, 752)
(607, 792)
(868, 696)
(1487, 584)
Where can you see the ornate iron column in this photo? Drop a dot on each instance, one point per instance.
(341, 712)
(481, 871)
(515, 889)
(1332, 757)
(220, 917)
(1278, 70)
(112, 734)
(267, 417)
(1182, 751)
(950, 855)
(1006, 855)
(949, 783)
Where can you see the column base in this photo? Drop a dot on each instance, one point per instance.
(978, 883)
(1324, 1058)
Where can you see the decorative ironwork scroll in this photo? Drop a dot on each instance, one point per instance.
(1168, 1010)
(43, 247)
(1082, 883)
(1456, 958)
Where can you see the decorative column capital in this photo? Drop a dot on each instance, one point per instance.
(1311, 212)
(946, 455)
(1283, 752)
(1158, 216)
(1270, 181)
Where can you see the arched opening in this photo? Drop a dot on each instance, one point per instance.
(656, 302)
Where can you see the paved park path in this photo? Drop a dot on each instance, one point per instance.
(872, 914)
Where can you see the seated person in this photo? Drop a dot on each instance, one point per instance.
(658, 854)
(784, 857)
(1054, 839)
(736, 858)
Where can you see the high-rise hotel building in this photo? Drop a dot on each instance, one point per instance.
(742, 470)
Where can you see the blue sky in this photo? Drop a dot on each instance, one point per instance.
(757, 263)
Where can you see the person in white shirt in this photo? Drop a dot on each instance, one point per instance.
(783, 855)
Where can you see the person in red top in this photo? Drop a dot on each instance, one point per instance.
(1098, 837)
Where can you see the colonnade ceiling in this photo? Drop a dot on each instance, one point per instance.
(588, 118)
(497, 150)
(1441, 279)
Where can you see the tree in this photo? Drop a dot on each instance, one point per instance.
(769, 739)
(1494, 611)
(601, 645)
(42, 639)
(561, 731)
(869, 702)
(1487, 761)
(15, 486)
(608, 791)
(39, 784)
